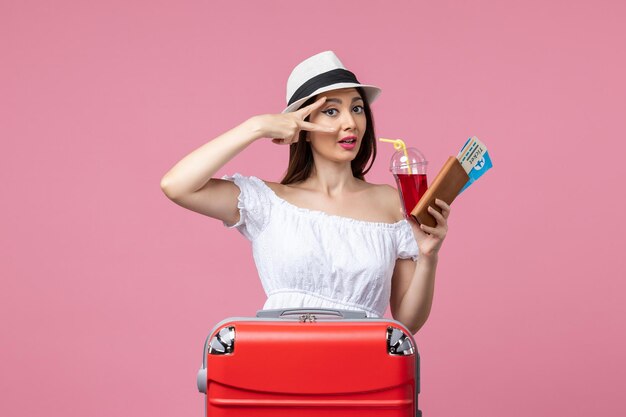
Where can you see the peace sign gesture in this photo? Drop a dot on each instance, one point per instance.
(284, 128)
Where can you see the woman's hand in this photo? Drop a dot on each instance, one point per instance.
(429, 239)
(284, 128)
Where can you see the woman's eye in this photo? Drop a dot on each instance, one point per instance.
(359, 109)
(327, 112)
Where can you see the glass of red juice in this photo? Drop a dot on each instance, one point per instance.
(409, 171)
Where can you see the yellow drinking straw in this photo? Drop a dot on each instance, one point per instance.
(399, 144)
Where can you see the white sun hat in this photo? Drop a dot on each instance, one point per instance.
(318, 74)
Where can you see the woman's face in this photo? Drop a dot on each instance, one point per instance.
(344, 110)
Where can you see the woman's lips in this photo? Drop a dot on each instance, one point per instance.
(349, 142)
(347, 146)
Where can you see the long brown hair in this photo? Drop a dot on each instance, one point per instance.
(301, 156)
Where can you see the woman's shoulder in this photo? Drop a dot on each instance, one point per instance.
(389, 199)
(379, 188)
(277, 188)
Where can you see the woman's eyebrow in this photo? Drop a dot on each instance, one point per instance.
(338, 100)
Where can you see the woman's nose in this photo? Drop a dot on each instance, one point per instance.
(348, 121)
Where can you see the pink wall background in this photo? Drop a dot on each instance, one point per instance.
(108, 289)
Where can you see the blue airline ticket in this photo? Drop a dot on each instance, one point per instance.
(475, 159)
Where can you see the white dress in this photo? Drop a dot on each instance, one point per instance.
(308, 258)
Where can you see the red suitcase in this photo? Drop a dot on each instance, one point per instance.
(310, 362)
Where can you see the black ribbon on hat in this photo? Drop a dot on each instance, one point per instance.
(335, 76)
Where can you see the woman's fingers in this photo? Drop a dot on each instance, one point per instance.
(312, 127)
(445, 207)
(438, 216)
(438, 232)
(442, 225)
(305, 111)
(288, 126)
(428, 229)
(281, 141)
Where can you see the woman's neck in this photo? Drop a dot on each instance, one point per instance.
(332, 179)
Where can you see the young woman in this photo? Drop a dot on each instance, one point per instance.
(323, 237)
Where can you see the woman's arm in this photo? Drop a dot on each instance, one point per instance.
(192, 172)
(413, 283)
(189, 182)
(413, 287)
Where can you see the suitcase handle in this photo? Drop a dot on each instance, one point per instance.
(286, 312)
